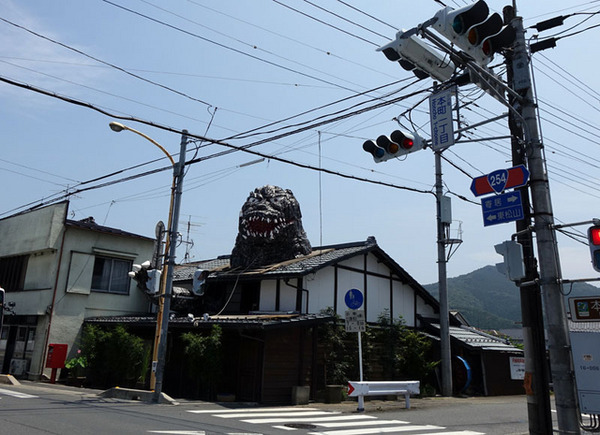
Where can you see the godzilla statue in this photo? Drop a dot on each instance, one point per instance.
(270, 229)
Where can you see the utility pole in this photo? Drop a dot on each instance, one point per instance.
(178, 173)
(550, 276)
(445, 348)
(537, 378)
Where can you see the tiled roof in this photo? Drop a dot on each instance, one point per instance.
(320, 257)
(240, 321)
(89, 224)
(481, 340)
(186, 271)
(478, 339)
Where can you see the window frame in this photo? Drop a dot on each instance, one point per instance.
(111, 278)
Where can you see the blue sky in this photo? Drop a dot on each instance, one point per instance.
(223, 68)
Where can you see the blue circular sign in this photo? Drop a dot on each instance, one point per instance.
(354, 299)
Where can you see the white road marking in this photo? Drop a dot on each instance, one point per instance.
(355, 424)
(17, 394)
(179, 432)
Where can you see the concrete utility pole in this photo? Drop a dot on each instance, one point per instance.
(537, 378)
(178, 172)
(550, 276)
(445, 349)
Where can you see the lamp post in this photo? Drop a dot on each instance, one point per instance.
(164, 303)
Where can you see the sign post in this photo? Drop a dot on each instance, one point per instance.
(355, 322)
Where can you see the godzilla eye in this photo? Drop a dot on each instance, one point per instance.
(252, 200)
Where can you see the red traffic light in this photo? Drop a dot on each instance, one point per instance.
(594, 235)
(404, 140)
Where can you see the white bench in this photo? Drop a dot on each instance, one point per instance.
(382, 388)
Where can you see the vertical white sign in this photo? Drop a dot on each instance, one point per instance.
(440, 113)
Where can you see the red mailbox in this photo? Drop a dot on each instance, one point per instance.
(57, 355)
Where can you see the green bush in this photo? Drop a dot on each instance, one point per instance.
(114, 356)
(204, 359)
(407, 353)
(332, 337)
(391, 351)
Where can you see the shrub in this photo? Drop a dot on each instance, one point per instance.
(114, 356)
(204, 358)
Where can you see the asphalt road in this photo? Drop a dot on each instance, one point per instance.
(36, 408)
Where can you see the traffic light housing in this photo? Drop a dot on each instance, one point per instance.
(415, 55)
(199, 284)
(474, 31)
(153, 284)
(594, 242)
(148, 280)
(397, 144)
(513, 266)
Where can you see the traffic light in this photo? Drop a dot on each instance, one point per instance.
(199, 284)
(513, 266)
(415, 55)
(397, 144)
(153, 284)
(148, 280)
(474, 31)
(594, 242)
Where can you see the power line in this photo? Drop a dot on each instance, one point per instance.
(325, 23)
(235, 50)
(105, 63)
(228, 145)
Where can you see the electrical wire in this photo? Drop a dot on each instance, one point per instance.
(199, 137)
(326, 23)
(235, 50)
(123, 70)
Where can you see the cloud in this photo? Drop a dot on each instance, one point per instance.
(37, 61)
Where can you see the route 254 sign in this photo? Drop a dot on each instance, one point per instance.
(500, 180)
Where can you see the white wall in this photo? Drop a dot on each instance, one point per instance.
(32, 232)
(40, 234)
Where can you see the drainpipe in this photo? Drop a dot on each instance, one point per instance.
(51, 314)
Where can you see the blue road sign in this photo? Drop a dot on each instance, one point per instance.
(499, 209)
(354, 299)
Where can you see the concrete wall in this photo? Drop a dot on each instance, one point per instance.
(33, 232)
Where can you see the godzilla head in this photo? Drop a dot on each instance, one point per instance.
(270, 229)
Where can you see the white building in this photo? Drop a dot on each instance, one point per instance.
(57, 272)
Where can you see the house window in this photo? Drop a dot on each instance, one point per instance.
(12, 272)
(110, 275)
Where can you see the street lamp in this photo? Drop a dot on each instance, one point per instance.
(164, 303)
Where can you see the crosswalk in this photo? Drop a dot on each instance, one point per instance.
(16, 394)
(320, 422)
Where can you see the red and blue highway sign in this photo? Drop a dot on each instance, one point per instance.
(500, 180)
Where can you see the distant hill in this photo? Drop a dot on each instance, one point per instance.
(489, 300)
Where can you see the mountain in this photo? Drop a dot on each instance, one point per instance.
(489, 300)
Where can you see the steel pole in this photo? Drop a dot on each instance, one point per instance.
(550, 277)
(178, 172)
